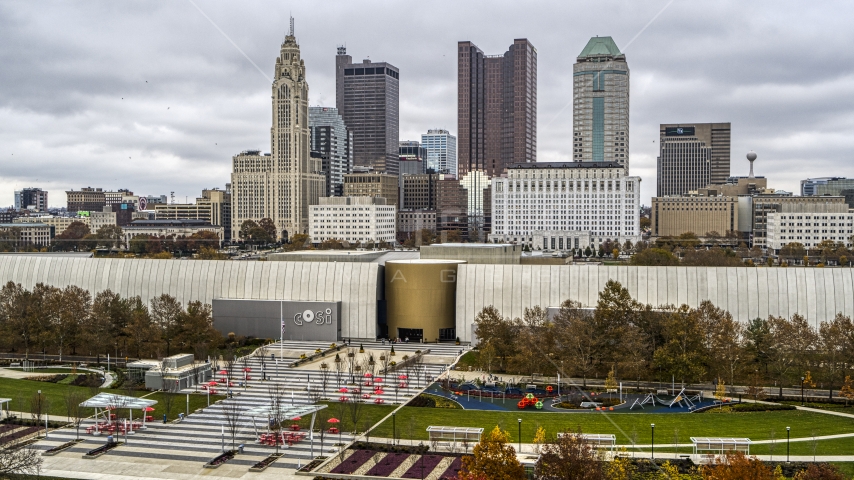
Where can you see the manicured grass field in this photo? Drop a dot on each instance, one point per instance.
(21, 391)
(626, 426)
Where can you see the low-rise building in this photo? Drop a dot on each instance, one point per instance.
(172, 373)
(86, 199)
(409, 221)
(597, 199)
(809, 225)
(673, 216)
(23, 234)
(214, 207)
(170, 228)
(105, 218)
(373, 185)
(353, 219)
(59, 224)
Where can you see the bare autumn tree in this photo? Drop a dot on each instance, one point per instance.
(73, 398)
(233, 415)
(19, 461)
(569, 456)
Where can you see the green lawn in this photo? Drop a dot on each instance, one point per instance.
(756, 426)
(21, 391)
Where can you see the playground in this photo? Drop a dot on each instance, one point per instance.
(547, 398)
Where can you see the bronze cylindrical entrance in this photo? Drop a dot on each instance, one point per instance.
(421, 299)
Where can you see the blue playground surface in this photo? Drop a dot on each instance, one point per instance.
(497, 399)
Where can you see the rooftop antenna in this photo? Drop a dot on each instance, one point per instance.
(172, 194)
(291, 32)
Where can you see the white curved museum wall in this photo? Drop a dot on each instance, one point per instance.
(816, 293)
(356, 285)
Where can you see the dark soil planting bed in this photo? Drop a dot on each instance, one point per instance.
(353, 463)
(430, 462)
(387, 464)
(220, 459)
(97, 452)
(59, 448)
(263, 464)
(451, 472)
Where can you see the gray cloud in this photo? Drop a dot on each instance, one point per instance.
(75, 108)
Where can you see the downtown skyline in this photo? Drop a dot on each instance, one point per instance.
(159, 108)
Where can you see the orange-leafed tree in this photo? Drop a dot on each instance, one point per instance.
(737, 466)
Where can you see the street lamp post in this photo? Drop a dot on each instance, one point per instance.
(520, 435)
(652, 450)
(393, 429)
(802, 391)
(788, 429)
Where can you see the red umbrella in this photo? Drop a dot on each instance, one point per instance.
(369, 374)
(402, 377)
(223, 372)
(149, 409)
(343, 390)
(378, 392)
(296, 419)
(247, 369)
(212, 383)
(377, 379)
(333, 420)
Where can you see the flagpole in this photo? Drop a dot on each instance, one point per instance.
(282, 328)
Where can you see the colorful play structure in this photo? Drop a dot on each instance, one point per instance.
(681, 400)
(530, 401)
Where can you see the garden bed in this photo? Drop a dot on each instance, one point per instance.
(53, 451)
(451, 471)
(749, 407)
(312, 464)
(388, 464)
(385, 447)
(263, 464)
(97, 452)
(354, 461)
(220, 459)
(430, 462)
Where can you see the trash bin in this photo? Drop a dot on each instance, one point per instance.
(240, 448)
(109, 439)
(164, 418)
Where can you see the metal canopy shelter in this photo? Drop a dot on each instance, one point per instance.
(5, 401)
(454, 434)
(284, 412)
(109, 401)
(721, 445)
(606, 440)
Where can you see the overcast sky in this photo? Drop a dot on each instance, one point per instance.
(150, 96)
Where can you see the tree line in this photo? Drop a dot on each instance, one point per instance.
(634, 341)
(70, 321)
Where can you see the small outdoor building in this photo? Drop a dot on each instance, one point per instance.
(175, 372)
(284, 412)
(454, 434)
(5, 401)
(598, 440)
(715, 445)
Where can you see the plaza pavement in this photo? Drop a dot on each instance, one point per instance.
(177, 450)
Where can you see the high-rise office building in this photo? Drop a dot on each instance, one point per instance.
(692, 156)
(840, 186)
(31, 198)
(441, 149)
(367, 97)
(496, 107)
(600, 117)
(332, 140)
(413, 158)
(283, 184)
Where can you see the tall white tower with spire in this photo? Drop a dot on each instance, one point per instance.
(281, 186)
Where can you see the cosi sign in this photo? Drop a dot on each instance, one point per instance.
(302, 320)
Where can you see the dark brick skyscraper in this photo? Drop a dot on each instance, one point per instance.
(367, 97)
(496, 107)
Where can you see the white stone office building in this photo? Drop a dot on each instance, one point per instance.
(171, 229)
(809, 225)
(357, 220)
(281, 185)
(564, 204)
(441, 149)
(600, 114)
